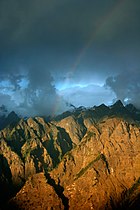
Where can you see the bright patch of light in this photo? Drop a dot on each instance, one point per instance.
(6, 87)
(24, 83)
(64, 86)
(127, 100)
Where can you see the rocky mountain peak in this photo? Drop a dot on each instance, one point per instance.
(84, 159)
(12, 116)
(117, 105)
(10, 120)
(131, 108)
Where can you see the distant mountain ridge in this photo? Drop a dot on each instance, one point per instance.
(78, 157)
(10, 120)
(117, 109)
(100, 111)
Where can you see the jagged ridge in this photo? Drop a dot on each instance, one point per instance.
(84, 146)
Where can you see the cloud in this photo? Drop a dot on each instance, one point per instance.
(6, 102)
(88, 95)
(126, 86)
(46, 43)
(3, 110)
(31, 93)
(67, 25)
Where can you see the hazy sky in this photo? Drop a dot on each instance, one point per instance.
(84, 52)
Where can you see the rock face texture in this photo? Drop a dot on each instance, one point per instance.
(85, 159)
(30, 147)
(102, 168)
(36, 194)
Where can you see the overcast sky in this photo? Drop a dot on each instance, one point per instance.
(84, 52)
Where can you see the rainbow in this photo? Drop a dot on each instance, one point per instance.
(104, 22)
(97, 32)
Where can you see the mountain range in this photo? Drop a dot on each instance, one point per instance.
(86, 158)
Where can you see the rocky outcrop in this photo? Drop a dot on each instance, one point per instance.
(30, 147)
(37, 194)
(101, 172)
(10, 120)
(87, 160)
(74, 127)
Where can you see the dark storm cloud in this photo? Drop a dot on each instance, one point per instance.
(126, 86)
(59, 24)
(31, 93)
(50, 20)
(45, 42)
(40, 94)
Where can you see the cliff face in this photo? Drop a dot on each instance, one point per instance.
(90, 159)
(103, 168)
(37, 194)
(33, 146)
